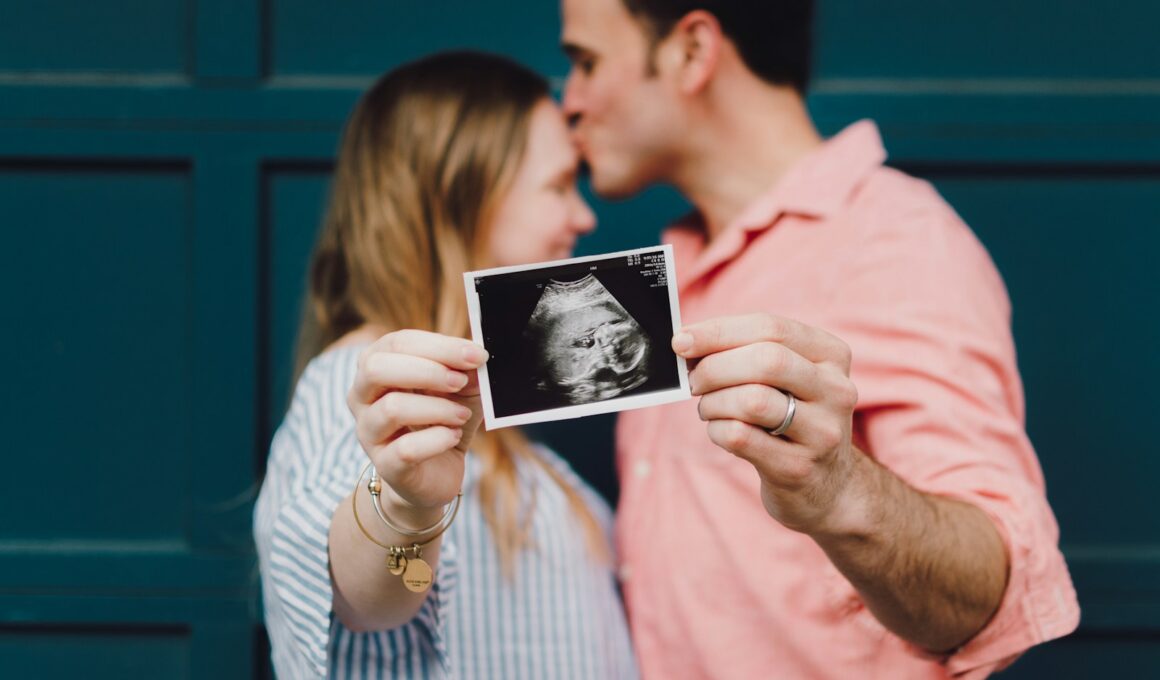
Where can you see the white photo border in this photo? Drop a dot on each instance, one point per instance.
(680, 393)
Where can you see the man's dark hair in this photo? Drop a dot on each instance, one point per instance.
(774, 37)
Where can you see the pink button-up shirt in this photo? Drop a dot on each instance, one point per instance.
(716, 588)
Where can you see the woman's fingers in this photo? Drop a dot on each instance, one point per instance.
(412, 448)
(394, 411)
(455, 353)
(383, 372)
(408, 402)
(415, 360)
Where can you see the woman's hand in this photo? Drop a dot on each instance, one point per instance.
(416, 404)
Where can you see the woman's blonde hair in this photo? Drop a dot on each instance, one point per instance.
(426, 155)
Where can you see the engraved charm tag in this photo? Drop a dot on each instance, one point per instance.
(417, 576)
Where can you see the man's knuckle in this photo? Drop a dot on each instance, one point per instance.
(718, 433)
(736, 435)
(847, 395)
(755, 402)
(773, 326)
(829, 435)
(718, 335)
(845, 353)
(796, 471)
(773, 359)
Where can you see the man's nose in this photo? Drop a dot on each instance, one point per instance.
(572, 102)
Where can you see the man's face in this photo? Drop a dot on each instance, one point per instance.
(623, 117)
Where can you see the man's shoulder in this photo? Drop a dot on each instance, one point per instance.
(904, 232)
(890, 191)
(896, 210)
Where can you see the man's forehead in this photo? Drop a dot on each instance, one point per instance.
(587, 21)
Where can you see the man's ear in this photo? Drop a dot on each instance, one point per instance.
(694, 50)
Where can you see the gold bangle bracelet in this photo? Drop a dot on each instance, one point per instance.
(417, 575)
(358, 520)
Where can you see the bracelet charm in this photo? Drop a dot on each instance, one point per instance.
(396, 561)
(417, 574)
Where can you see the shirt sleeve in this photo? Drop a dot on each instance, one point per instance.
(941, 405)
(292, 524)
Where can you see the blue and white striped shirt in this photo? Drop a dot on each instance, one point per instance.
(560, 617)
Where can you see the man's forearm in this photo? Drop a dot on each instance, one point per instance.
(933, 570)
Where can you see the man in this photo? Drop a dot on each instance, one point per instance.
(913, 538)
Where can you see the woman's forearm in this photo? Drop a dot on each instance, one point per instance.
(367, 596)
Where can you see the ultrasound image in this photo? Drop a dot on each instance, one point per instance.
(589, 347)
(578, 334)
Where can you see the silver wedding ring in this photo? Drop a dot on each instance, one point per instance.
(790, 410)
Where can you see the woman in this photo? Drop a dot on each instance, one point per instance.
(454, 162)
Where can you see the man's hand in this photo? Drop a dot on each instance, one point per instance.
(747, 366)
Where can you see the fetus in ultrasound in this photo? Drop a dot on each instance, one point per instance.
(589, 347)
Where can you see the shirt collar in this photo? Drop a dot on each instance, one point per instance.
(817, 186)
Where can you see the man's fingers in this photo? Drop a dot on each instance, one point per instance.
(452, 352)
(723, 333)
(784, 463)
(765, 408)
(764, 363)
(758, 405)
(382, 372)
(392, 412)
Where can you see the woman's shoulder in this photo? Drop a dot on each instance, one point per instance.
(319, 399)
(335, 359)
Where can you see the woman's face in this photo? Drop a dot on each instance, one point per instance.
(542, 214)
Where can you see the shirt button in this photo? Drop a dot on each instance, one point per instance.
(624, 572)
(642, 468)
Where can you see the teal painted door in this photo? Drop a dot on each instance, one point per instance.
(163, 166)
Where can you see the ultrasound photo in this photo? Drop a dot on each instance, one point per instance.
(577, 337)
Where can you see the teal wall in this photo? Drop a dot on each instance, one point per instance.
(162, 170)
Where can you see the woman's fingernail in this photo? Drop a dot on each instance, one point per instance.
(474, 354)
(464, 413)
(456, 381)
(682, 342)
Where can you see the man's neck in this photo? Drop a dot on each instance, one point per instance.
(745, 146)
